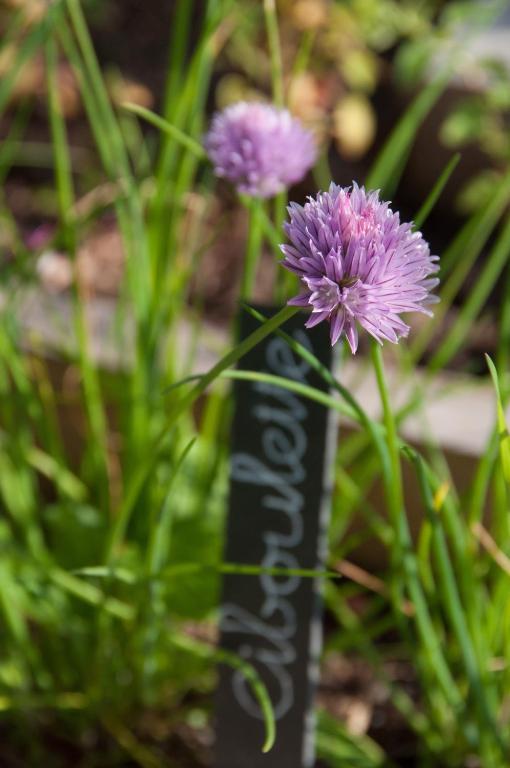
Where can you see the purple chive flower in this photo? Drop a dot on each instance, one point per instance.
(358, 264)
(259, 148)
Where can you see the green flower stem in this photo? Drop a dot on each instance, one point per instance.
(286, 282)
(395, 495)
(253, 248)
(272, 234)
(280, 209)
(392, 485)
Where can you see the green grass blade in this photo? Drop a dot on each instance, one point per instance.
(247, 670)
(65, 192)
(341, 748)
(187, 116)
(181, 27)
(504, 437)
(66, 482)
(92, 595)
(388, 166)
(455, 609)
(459, 258)
(26, 50)
(436, 191)
(163, 125)
(311, 393)
(480, 291)
(98, 86)
(108, 136)
(232, 357)
(159, 542)
(171, 572)
(63, 175)
(275, 53)
(11, 143)
(479, 488)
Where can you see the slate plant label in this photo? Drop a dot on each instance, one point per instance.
(282, 450)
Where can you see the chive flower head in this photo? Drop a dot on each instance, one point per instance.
(358, 264)
(261, 149)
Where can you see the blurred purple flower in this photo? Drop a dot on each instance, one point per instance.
(358, 264)
(39, 237)
(259, 148)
